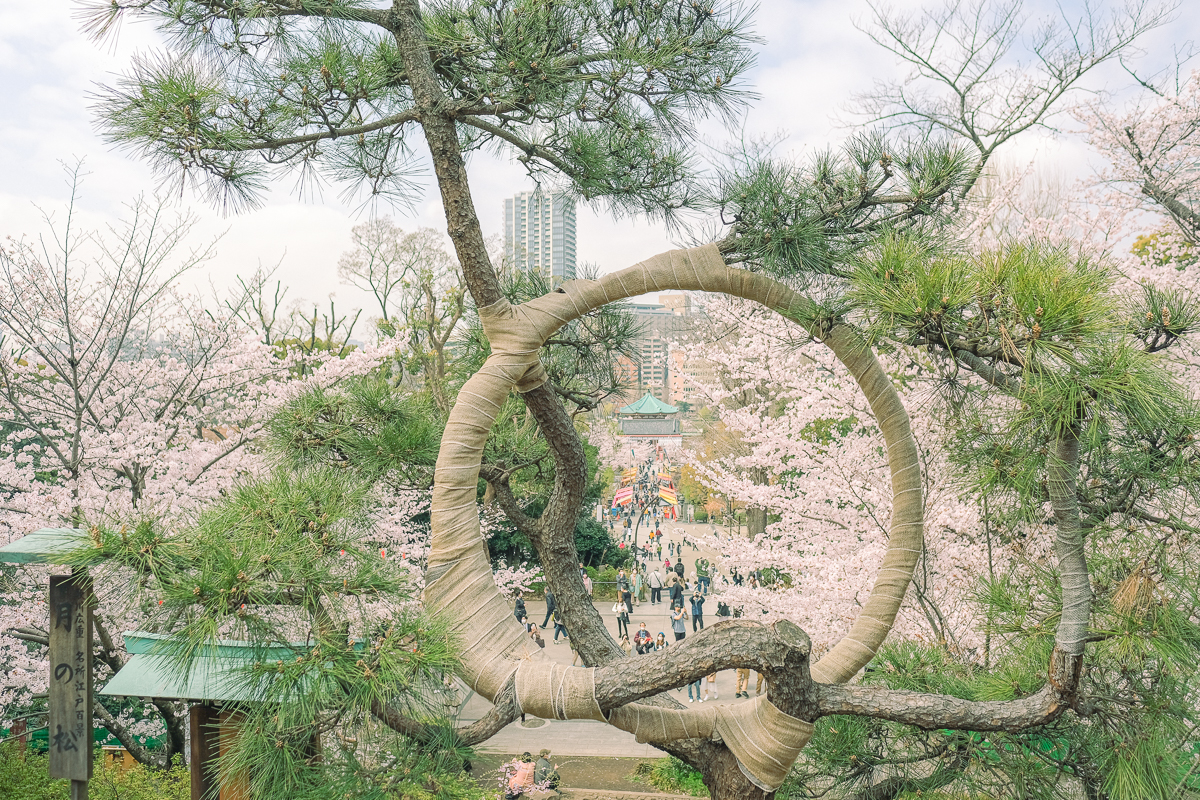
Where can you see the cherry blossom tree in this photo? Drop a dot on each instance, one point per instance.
(127, 406)
(802, 423)
(1151, 150)
(122, 402)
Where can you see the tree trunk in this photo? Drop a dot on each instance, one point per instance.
(756, 518)
(1067, 660)
(756, 521)
(725, 780)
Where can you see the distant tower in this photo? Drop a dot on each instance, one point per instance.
(539, 234)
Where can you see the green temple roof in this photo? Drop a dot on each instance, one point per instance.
(649, 405)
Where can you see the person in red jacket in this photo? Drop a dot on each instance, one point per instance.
(642, 640)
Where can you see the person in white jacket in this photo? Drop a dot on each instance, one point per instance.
(656, 587)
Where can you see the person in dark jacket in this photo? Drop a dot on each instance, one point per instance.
(550, 607)
(519, 609)
(675, 584)
(545, 773)
(697, 612)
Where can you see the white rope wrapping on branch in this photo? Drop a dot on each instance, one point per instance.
(459, 588)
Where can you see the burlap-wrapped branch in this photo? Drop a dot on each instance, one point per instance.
(459, 585)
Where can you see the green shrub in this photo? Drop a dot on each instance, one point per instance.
(701, 515)
(671, 775)
(604, 583)
(28, 778)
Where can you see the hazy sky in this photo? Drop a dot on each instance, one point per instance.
(812, 62)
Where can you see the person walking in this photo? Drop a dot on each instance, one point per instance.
(697, 611)
(550, 607)
(696, 684)
(710, 685)
(743, 681)
(679, 622)
(559, 628)
(656, 587)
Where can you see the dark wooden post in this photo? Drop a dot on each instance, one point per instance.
(18, 730)
(205, 738)
(70, 724)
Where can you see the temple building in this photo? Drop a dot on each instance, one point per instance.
(650, 419)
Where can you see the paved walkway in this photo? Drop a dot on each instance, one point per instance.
(587, 737)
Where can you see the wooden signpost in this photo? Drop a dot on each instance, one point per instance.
(70, 725)
(71, 681)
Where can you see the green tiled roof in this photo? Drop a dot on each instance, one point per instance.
(649, 405)
(43, 546)
(219, 674)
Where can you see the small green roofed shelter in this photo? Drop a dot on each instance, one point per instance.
(217, 674)
(650, 418)
(43, 546)
(216, 682)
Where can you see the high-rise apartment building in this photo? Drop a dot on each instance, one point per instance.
(539, 234)
(658, 326)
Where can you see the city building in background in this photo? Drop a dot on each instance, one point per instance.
(660, 325)
(539, 234)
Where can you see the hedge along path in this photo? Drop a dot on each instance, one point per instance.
(459, 586)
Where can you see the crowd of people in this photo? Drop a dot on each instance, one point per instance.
(683, 596)
(655, 576)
